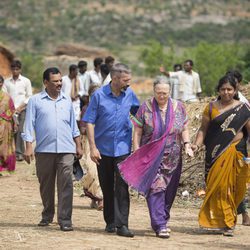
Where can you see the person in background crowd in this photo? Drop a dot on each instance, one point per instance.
(175, 92)
(20, 90)
(109, 62)
(90, 182)
(7, 128)
(51, 116)
(73, 87)
(105, 74)
(84, 78)
(95, 77)
(189, 81)
(109, 133)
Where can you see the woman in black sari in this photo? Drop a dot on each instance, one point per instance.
(224, 130)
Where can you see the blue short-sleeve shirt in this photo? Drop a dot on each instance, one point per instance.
(110, 115)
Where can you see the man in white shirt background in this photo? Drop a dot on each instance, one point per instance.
(73, 87)
(95, 74)
(20, 90)
(189, 81)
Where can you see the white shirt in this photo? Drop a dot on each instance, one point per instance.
(85, 79)
(20, 89)
(66, 88)
(188, 94)
(175, 93)
(95, 78)
(242, 98)
(107, 80)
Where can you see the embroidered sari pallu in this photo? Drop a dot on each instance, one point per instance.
(227, 171)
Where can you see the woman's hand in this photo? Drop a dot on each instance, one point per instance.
(195, 148)
(189, 150)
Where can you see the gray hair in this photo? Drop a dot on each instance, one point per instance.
(119, 68)
(161, 79)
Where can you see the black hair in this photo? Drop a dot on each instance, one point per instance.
(104, 69)
(190, 62)
(236, 74)
(48, 71)
(177, 65)
(228, 79)
(73, 67)
(109, 59)
(98, 61)
(82, 64)
(16, 64)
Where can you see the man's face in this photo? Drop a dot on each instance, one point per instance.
(15, 71)
(124, 80)
(54, 85)
(187, 66)
(82, 69)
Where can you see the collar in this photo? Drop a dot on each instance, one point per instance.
(18, 79)
(108, 91)
(44, 94)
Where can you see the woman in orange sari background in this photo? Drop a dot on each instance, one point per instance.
(7, 125)
(224, 130)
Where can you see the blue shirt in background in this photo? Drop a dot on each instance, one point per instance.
(110, 114)
(53, 122)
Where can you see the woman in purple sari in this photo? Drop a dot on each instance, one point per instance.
(154, 168)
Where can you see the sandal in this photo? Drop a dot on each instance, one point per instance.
(229, 232)
(164, 234)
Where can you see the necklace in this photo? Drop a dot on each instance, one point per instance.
(228, 104)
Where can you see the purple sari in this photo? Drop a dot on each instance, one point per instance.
(141, 168)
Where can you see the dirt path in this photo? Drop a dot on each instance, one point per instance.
(21, 207)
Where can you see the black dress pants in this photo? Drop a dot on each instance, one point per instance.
(115, 191)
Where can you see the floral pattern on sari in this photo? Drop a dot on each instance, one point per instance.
(7, 145)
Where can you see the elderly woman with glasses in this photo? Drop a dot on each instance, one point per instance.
(154, 168)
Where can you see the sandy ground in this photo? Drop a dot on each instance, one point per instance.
(21, 207)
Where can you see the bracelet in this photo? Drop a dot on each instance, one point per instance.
(186, 142)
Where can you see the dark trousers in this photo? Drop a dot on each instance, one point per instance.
(115, 191)
(18, 139)
(49, 167)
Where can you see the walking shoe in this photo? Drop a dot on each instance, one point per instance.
(110, 228)
(124, 231)
(66, 228)
(44, 223)
(164, 234)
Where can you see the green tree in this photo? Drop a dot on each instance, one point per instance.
(153, 56)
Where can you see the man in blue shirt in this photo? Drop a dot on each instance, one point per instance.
(109, 133)
(50, 114)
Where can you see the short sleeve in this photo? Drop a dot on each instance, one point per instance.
(91, 112)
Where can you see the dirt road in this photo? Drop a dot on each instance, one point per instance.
(21, 207)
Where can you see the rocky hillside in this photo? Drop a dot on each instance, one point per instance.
(41, 26)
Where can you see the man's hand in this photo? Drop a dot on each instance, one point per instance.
(79, 152)
(95, 155)
(28, 154)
